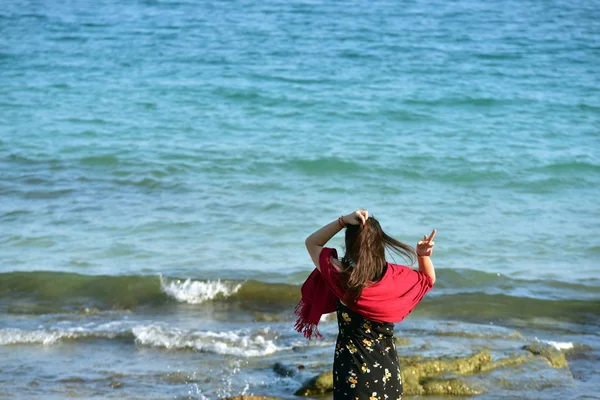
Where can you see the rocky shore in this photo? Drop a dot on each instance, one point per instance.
(446, 376)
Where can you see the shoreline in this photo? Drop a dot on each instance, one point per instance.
(466, 360)
(465, 376)
(215, 339)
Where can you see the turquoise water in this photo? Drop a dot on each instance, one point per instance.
(206, 141)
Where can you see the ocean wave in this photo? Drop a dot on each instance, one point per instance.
(462, 294)
(196, 292)
(117, 292)
(149, 182)
(325, 166)
(39, 159)
(227, 342)
(15, 336)
(72, 290)
(480, 306)
(579, 167)
(18, 336)
(238, 343)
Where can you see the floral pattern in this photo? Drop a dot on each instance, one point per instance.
(365, 365)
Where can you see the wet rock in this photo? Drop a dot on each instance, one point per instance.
(282, 370)
(417, 371)
(73, 379)
(401, 341)
(250, 398)
(437, 376)
(448, 387)
(116, 385)
(511, 361)
(89, 310)
(264, 317)
(417, 374)
(320, 384)
(434, 366)
(555, 357)
(178, 378)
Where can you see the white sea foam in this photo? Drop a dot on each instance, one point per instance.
(196, 292)
(14, 336)
(558, 345)
(19, 336)
(239, 343)
(229, 342)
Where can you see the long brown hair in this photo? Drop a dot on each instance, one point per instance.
(364, 262)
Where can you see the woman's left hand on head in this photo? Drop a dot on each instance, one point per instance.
(358, 217)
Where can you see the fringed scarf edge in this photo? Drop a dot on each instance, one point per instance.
(308, 329)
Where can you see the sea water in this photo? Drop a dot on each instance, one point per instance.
(161, 163)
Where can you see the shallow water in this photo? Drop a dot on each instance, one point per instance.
(147, 143)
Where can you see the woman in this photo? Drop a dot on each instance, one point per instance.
(369, 295)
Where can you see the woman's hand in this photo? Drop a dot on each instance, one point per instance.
(425, 246)
(358, 217)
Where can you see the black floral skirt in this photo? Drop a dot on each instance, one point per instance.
(365, 365)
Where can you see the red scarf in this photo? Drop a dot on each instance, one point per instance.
(389, 300)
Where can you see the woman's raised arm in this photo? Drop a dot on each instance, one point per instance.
(315, 241)
(424, 251)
